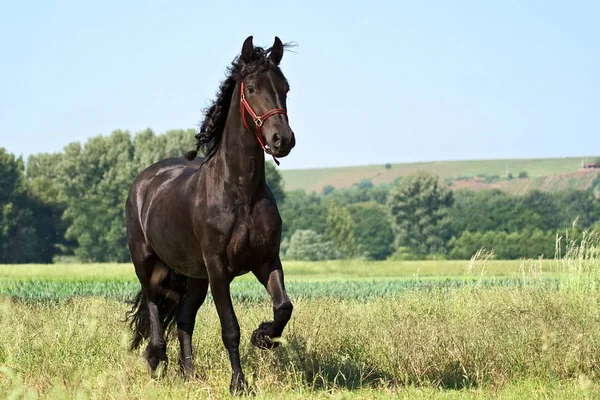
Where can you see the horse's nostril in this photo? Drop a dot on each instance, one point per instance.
(276, 140)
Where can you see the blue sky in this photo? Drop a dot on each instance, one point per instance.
(371, 82)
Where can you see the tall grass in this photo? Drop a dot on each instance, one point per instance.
(472, 339)
(580, 264)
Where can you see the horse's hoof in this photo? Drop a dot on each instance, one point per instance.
(188, 372)
(260, 337)
(156, 355)
(238, 385)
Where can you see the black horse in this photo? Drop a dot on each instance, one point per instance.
(195, 222)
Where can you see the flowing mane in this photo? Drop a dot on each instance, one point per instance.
(211, 130)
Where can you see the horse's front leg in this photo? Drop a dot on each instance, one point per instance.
(230, 329)
(271, 276)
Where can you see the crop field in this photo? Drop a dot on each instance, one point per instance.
(427, 329)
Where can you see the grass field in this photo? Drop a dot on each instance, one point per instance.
(359, 330)
(543, 169)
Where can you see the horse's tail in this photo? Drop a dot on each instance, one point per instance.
(171, 290)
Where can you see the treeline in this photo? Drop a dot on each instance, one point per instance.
(71, 204)
(419, 217)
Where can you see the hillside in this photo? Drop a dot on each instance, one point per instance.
(543, 173)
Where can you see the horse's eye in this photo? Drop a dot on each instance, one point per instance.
(251, 89)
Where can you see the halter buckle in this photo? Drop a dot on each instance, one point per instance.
(258, 121)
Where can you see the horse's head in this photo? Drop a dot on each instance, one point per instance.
(263, 93)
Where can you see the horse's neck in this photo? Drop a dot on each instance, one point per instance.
(240, 160)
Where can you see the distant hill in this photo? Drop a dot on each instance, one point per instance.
(543, 173)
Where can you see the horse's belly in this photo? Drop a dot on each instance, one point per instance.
(182, 255)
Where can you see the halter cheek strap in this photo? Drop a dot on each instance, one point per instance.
(259, 120)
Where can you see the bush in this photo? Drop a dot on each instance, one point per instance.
(307, 245)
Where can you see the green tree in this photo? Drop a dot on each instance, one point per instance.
(275, 182)
(340, 230)
(95, 179)
(327, 190)
(302, 211)
(373, 232)
(576, 205)
(466, 245)
(419, 207)
(365, 185)
(537, 210)
(27, 232)
(43, 172)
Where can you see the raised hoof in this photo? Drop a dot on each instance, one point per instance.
(260, 337)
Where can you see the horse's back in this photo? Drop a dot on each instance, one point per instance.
(161, 176)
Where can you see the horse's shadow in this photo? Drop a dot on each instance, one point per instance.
(325, 373)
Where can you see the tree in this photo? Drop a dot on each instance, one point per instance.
(373, 232)
(537, 210)
(419, 207)
(523, 175)
(365, 185)
(27, 231)
(327, 190)
(43, 172)
(302, 211)
(275, 182)
(388, 166)
(95, 180)
(340, 230)
(576, 205)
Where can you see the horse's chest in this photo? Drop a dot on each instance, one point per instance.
(251, 240)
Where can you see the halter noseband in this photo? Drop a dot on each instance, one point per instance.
(259, 120)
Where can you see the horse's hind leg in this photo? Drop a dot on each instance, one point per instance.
(157, 308)
(186, 319)
(271, 276)
(156, 351)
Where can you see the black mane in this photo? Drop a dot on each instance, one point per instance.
(211, 130)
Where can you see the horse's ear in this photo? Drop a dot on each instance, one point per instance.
(247, 49)
(276, 51)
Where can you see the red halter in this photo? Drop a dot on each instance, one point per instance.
(258, 120)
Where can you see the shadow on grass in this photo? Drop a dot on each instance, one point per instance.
(339, 371)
